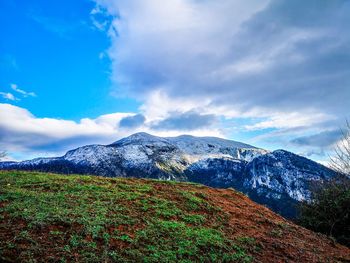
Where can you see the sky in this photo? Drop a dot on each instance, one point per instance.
(271, 73)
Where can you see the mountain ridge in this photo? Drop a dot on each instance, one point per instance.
(278, 179)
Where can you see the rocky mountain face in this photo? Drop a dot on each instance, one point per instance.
(278, 179)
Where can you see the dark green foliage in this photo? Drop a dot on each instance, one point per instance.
(329, 212)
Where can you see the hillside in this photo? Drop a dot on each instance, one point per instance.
(57, 218)
(278, 179)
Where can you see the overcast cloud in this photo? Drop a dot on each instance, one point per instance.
(273, 55)
(279, 68)
(187, 121)
(132, 121)
(267, 60)
(322, 139)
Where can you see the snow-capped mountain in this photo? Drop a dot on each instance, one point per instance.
(279, 179)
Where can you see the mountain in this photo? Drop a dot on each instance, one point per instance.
(58, 218)
(278, 179)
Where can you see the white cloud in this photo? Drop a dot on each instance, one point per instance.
(246, 56)
(8, 96)
(291, 120)
(22, 92)
(98, 18)
(158, 105)
(279, 64)
(22, 132)
(101, 55)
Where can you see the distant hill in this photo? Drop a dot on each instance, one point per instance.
(56, 218)
(278, 179)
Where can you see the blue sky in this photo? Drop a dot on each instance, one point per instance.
(54, 49)
(275, 74)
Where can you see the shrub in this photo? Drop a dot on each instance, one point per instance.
(329, 210)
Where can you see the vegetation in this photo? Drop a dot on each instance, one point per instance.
(340, 161)
(68, 218)
(55, 218)
(329, 212)
(3, 154)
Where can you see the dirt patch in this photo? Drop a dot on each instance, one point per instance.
(279, 239)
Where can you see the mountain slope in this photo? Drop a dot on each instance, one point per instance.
(55, 218)
(140, 155)
(278, 179)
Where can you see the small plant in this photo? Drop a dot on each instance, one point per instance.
(75, 240)
(193, 219)
(24, 236)
(276, 233)
(192, 201)
(125, 238)
(246, 240)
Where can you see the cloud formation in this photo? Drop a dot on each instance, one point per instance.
(323, 139)
(132, 121)
(278, 69)
(187, 121)
(22, 92)
(12, 97)
(268, 55)
(284, 64)
(8, 96)
(22, 132)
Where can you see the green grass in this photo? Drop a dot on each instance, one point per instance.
(57, 218)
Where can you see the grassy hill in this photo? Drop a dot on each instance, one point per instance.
(57, 218)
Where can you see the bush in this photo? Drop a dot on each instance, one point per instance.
(329, 210)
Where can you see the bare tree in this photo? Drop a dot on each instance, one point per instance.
(3, 154)
(340, 161)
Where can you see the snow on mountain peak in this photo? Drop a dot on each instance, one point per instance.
(271, 178)
(213, 141)
(140, 138)
(194, 147)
